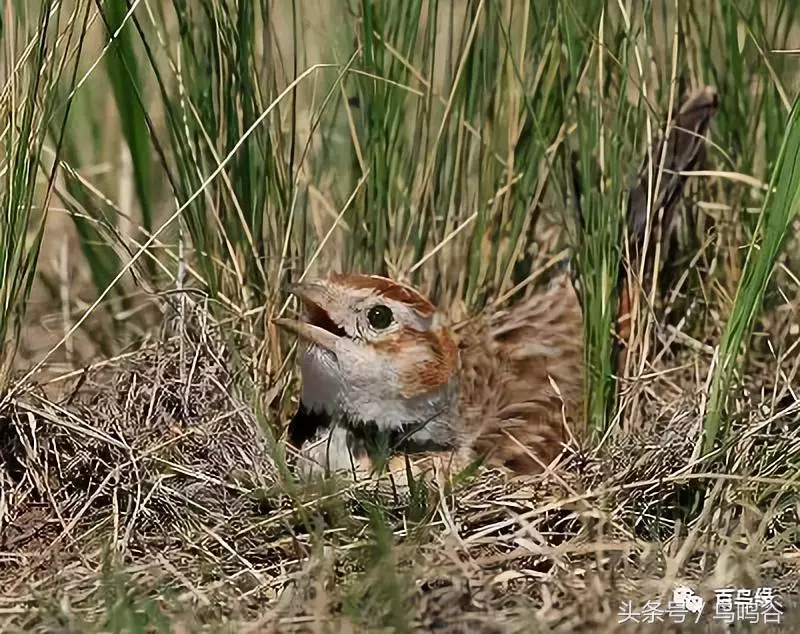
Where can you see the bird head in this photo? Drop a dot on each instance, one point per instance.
(373, 350)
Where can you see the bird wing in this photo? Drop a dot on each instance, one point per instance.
(522, 380)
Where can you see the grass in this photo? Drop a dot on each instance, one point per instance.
(780, 206)
(187, 161)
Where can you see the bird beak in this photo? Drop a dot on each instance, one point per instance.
(317, 327)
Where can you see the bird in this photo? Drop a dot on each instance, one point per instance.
(385, 375)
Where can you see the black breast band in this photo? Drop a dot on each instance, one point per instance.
(305, 423)
(364, 434)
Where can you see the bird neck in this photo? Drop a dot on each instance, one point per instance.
(414, 426)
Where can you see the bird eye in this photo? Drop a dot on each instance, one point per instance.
(380, 317)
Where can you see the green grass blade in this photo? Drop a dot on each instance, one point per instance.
(124, 75)
(780, 206)
(21, 229)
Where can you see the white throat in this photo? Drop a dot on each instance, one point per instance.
(377, 400)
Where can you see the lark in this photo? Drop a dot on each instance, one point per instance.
(385, 374)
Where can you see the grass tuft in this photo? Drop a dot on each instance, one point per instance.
(781, 204)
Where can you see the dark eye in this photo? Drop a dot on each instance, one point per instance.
(380, 317)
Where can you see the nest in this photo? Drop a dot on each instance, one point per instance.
(156, 451)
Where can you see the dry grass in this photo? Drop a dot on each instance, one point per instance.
(150, 497)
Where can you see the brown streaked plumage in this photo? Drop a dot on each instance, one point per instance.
(382, 368)
(536, 348)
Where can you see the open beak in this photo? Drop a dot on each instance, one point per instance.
(316, 327)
